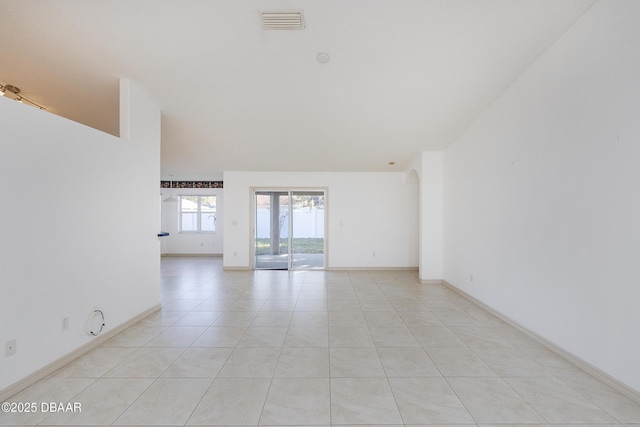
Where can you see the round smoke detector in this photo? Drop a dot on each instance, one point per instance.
(323, 58)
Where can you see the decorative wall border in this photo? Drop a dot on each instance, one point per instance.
(191, 184)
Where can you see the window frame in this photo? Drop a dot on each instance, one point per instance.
(198, 213)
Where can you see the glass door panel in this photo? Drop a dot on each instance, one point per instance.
(271, 230)
(307, 226)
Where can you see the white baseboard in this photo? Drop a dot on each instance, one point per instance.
(243, 268)
(332, 269)
(621, 387)
(192, 255)
(41, 373)
(431, 281)
(371, 269)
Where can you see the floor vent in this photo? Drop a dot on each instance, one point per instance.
(282, 20)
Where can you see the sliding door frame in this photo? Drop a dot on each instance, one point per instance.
(290, 191)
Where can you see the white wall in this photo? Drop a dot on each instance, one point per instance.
(431, 210)
(355, 231)
(191, 243)
(59, 260)
(542, 195)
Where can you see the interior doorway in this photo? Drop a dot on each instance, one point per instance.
(289, 229)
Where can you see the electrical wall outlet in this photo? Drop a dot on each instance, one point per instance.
(10, 348)
(64, 324)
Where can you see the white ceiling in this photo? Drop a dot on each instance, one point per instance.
(404, 76)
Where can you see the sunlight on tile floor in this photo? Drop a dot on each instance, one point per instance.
(320, 348)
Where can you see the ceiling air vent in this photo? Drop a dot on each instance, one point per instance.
(282, 20)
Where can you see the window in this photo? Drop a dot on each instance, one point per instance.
(198, 214)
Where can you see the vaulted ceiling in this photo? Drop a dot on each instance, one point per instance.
(404, 76)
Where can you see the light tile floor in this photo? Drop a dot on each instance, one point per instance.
(318, 348)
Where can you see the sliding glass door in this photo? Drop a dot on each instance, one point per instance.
(307, 229)
(271, 230)
(289, 229)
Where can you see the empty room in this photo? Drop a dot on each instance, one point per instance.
(320, 213)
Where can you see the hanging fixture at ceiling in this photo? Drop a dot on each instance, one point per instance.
(13, 92)
(170, 198)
